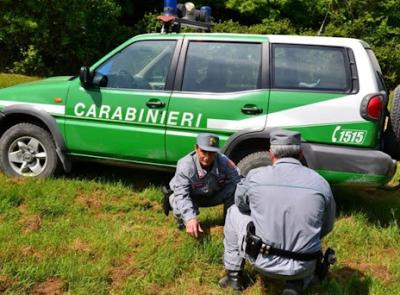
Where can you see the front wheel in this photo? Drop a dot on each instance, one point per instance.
(28, 150)
(254, 160)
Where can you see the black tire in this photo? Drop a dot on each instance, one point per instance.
(392, 133)
(254, 160)
(28, 150)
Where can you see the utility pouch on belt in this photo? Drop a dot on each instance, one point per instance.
(253, 242)
(324, 262)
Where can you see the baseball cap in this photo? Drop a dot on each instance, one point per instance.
(285, 137)
(208, 142)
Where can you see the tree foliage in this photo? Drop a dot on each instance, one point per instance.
(46, 37)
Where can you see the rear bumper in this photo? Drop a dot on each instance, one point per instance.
(350, 165)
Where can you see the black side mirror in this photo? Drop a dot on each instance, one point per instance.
(86, 77)
(100, 80)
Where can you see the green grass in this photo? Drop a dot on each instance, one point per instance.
(101, 230)
(12, 79)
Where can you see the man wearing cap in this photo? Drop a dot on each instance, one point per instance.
(203, 178)
(281, 212)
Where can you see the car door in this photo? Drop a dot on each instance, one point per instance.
(218, 89)
(125, 118)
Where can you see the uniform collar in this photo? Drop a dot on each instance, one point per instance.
(202, 172)
(287, 160)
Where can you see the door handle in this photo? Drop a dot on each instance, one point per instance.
(251, 109)
(155, 103)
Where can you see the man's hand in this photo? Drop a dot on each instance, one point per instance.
(193, 228)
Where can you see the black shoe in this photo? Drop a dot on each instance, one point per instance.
(293, 287)
(166, 205)
(179, 223)
(233, 279)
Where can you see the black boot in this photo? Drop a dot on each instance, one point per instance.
(293, 287)
(166, 205)
(233, 279)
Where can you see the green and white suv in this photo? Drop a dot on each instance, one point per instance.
(146, 101)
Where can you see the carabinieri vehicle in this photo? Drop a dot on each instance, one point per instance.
(146, 101)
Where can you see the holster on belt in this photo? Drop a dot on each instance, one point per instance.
(253, 242)
(255, 245)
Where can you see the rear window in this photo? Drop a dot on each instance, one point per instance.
(310, 68)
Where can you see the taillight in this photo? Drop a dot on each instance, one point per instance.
(372, 107)
(375, 107)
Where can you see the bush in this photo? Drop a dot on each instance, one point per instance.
(57, 37)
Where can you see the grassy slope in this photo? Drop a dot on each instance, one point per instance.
(11, 79)
(102, 230)
(101, 234)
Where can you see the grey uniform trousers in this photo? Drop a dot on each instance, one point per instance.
(235, 245)
(204, 201)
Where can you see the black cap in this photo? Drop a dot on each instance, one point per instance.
(285, 137)
(208, 142)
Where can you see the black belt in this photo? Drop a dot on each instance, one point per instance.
(270, 250)
(255, 245)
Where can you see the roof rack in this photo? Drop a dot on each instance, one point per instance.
(177, 15)
(172, 24)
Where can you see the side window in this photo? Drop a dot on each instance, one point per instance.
(222, 67)
(141, 65)
(310, 67)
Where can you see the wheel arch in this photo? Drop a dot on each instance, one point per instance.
(15, 114)
(246, 142)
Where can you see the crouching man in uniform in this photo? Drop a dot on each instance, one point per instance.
(281, 212)
(203, 178)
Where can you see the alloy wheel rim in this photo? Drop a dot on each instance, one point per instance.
(27, 156)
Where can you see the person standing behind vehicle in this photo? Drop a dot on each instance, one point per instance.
(203, 178)
(280, 215)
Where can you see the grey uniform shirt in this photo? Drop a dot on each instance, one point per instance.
(292, 208)
(191, 180)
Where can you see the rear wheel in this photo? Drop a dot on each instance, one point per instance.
(254, 160)
(28, 150)
(392, 134)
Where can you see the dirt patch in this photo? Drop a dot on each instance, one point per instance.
(190, 287)
(16, 180)
(391, 252)
(53, 286)
(5, 282)
(217, 231)
(29, 251)
(124, 269)
(31, 224)
(23, 209)
(379, 271)
(80, 246)
(346, 272)
(90, 201)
